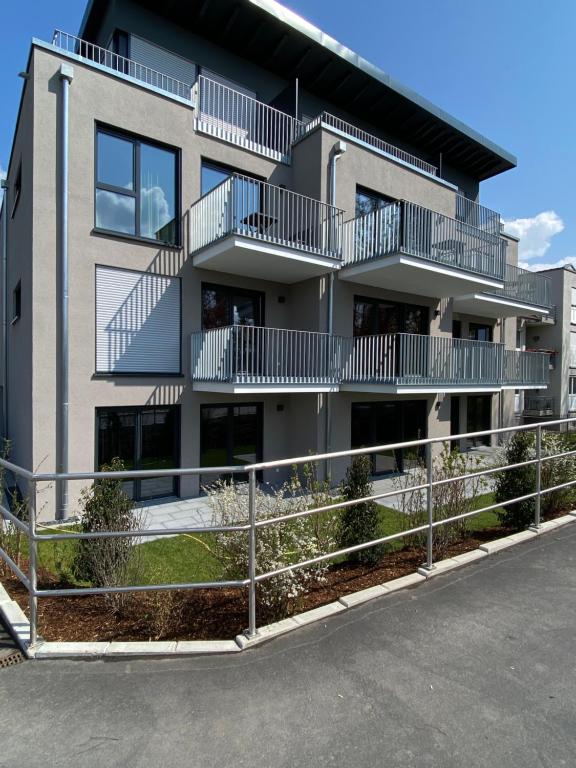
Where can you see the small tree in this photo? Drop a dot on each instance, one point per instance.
(360, 523)
(106, 507)
(513, 483)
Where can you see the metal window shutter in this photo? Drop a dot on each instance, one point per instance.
(137, 322)
(161, 60)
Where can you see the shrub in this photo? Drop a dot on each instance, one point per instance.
(361, 522)
(557, 471)
(513, 483)
(277, 545)
(11, 537)
(106, 507)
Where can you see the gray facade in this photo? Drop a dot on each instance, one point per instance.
(311, 260)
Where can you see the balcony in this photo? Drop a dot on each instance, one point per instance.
(246, 359)
(234, 117)
(539, 405)
(251, 228)
(367, 140)
(405, 247)
(524, 293)
(525, 370)
(120, 66)
(404, 362)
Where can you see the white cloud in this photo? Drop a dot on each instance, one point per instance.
(535, 233)
(536, 267)
(2, 172)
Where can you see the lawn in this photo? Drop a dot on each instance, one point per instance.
(188, 558)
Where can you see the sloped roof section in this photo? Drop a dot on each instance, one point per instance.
(271, 35)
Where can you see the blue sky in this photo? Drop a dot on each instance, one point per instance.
(505, 67)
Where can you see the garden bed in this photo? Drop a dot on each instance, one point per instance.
(208, 614)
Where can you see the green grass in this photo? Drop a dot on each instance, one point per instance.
(188, 558)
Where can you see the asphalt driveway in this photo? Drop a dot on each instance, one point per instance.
(474, 668)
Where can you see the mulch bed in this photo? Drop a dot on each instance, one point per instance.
(210, 614)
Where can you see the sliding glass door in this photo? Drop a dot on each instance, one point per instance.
(143, 438)
(230, 435)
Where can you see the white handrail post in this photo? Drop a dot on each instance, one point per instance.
(430, 509)
(537, 505)
(252, 630)
(32, 563)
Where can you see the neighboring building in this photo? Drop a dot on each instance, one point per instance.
(272, 247)
(555, 333)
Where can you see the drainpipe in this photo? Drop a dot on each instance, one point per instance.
(337, 151)
(5, 309)
(66, 76)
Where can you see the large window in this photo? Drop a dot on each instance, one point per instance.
(136, 188)
(375, 316)
(138, 326)
(144, 438)
(223, 305)
(478, 332)
(230, 435)
(479, 417)
(389, 422)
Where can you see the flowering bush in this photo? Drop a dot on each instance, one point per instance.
(278, 544)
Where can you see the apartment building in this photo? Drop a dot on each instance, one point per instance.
(229, 238)
(556, 334)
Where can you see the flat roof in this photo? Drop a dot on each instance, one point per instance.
(271, 35)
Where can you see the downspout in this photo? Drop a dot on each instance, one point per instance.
(66, 75)
(5, 309)
(337, 151)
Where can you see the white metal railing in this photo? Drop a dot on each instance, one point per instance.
(245, 206)
(357, 134)
(95, 54)
(539, 405)
(405, 358)
(241, 119)
(522, 367)
(478, 215)
(409, 228)
(28, 574)
(246, 354)
(525, 286)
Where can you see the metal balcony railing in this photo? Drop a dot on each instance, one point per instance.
(245, 206)
(244, 354)
(408, 228)
(411, 359)
(525, 286)
(539, 405)
(478, 215)
(256, 355)
(526, 368)
(94, 54)
(357, 134)
(240, 119)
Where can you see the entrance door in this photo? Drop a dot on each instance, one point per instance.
(230, 435)
(479, 417)
(143, 438)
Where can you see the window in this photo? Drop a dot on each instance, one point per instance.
(144, 438)
(368, 202)
(17, 190)
(572, 393)
(479, 417)
(17, 302)
(230, 435)
(573, 307)
(389, 422)
(223, 305)
(374, 316)
(136, 188)
(477, 332)
(572, 359)
(137, 322)
(213, 174)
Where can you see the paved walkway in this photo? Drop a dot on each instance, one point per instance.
(474, 668)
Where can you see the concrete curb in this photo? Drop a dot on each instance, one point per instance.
(19, 626)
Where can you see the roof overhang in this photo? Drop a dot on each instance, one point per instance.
(272, 36)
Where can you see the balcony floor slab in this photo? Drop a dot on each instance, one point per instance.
(488, 305)
(411, 274)
(259, 259)
(262, 389)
